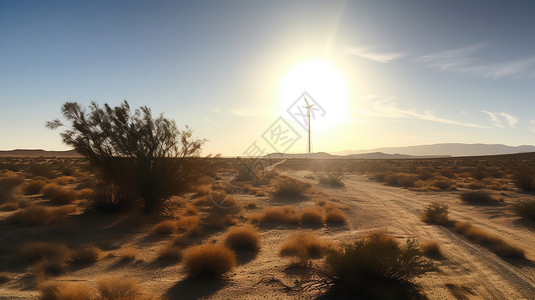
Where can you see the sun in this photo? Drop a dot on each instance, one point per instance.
(324, 83)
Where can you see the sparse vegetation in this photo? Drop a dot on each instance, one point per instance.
(334, 215)
(524, 179)
(165, 227)
(170, 252)
(436, 213)
(495, 243)
(36, 251)
(209, 260)
(243, 238)
(525, 208)
(376, 266)
(331, 179)
(59, 194)
(87, 255)
(40, 215)
(65, 291)
(120, 288)
(478, 197)
(312, 215)
(33, 187)
(291, 188)
(281, 214)
(431, 248)
(305, 245)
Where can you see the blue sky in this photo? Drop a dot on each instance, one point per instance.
(387, 73)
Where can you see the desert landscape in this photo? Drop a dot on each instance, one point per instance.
(279, 229)
(295, 149)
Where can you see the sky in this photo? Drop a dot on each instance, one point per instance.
(379, 73)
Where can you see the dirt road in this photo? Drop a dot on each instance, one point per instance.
(467, 270)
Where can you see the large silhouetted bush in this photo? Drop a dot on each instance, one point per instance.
(141, 161)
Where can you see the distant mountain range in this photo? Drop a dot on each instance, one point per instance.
(421, 151)
(448, 149)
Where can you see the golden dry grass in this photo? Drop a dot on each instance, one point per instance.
(431, 248)
(191, 224)
(35, 251)
(170, 252)
(209, 260)
(40, 215)
(127, 254)
(334, 215)
(164, 227)
(86, 255)
(33, 187)
(4, 277)
(305, 245)
(244, 237)
(116, 288)
(65, 291)
(59, 194)
(281, 214)
(495, 243)
(436, 213)
(312, 215)
(478, 197)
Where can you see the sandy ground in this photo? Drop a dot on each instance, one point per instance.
(466, 270)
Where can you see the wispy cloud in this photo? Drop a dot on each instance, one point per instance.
(369, 53)
(499, 119)
(386, 107)
(462, 60)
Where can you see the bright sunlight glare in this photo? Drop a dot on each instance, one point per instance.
(323, 82)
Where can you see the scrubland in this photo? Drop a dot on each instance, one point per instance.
(306, 229)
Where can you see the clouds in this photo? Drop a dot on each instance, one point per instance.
(463, 60)
(499, 119)
(386, 107)
(368, 53)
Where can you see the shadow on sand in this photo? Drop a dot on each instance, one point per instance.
(195, 288)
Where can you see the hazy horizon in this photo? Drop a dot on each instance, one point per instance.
(386, 74)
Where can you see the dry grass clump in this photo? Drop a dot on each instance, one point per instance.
(209, 260)
(436, 213)
(49, 267)
(127, 254)
(115, 288)
(14, 204)
(63, 180)
(280, 214)
(191, 224)
(493, 242)
(305, 245)
(65, 291)
(171, 252)
(400, 179)
(35, 251)
(291, 188)
(40, 215)
(331, 179)
(443, 184)
(33, 187)
(87, 255)
(431, 248)
(244, 237)
(59, 194)
(85, 193)
(164, 227)
(333, 215)
(312, 215)
(376, 266)
(251, 204)
(524, 179)
(8, 183)
(525, 209)
(478, 197)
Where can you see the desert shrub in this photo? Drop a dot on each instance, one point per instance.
(493, 242)
(14, 204)
(49, 267)
(436, 213)
(431, 248)
(146, 157)
(373, 264)
(475, 186)
(165, 227)
(290, 187)
(35, 251)
(524, 179)
(116, 288)
(87, 255)
(525, 208)
(127, 254)
(334, 215)
(331, 179)
(171, 252)
(33, 187)
(312, 215)
(243, 238)
(280, 214)
(65, 291)
(305, 245)
(7, 186)
(63, 180)
(110, 198)
(191, 224)
(208, 260)
(59, 194)
(443, 184)
(40, 215)
(477, 197)
(41, 170)
(251, 204)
